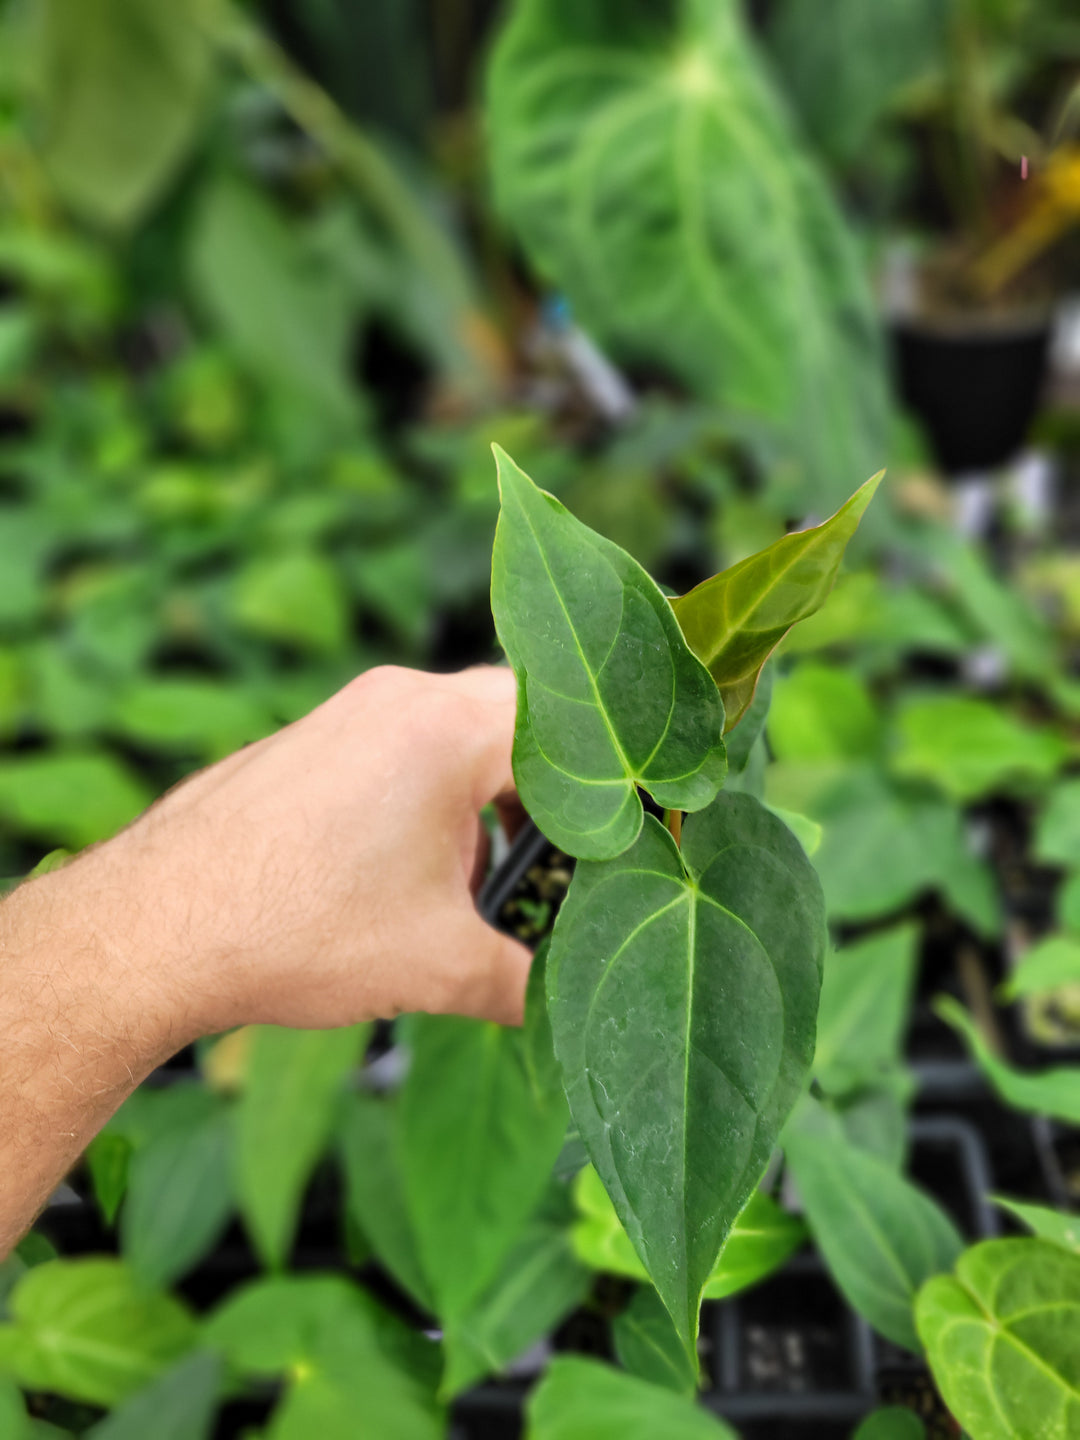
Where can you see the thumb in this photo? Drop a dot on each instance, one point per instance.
(494, 974)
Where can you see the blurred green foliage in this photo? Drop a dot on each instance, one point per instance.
(260, 320)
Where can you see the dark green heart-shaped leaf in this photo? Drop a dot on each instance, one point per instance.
(735, 621)
(683, 990)
(970, 748)
(645, 159)
(609, 695)
(1001, 1338)
(880, 1235)
(1053, 1092)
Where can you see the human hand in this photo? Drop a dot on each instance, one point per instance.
(325, 875)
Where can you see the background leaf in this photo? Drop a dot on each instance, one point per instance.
(14, 1421)
(291, 321)
(881, 1236)
(762, 1238)
(682, 990)
(283, 1122)
(477, 1148)
(123, 86)
(584, 1400)
(36, 791)
(369, 1138)
(540, 1282)
(1000, 1336)
(648, 1345)
(609, 696)
(891, 1423)
(1054, 960)
(651, 172)
(1057, 834)
(179, 1197)
(735, 621)
(1053, 1225)
(83, 1329)
(1047, 1092)
(352, 1367)
(181, 1405)
(866, 994)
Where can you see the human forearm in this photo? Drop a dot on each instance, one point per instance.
(83, 1019)
(319, 877)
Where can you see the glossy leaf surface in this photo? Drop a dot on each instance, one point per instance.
(477, 1147)
(762, 1238)
(1056, 1226)
(651, 171)
(294, 1081)
(683, 989)
(735, 621)
(584, 1400)
(880, 1235)
(83, 1329)
(1000, 1336)
(609, 695)
(1053, 1092)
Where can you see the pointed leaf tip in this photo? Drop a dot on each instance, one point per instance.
(735, 620)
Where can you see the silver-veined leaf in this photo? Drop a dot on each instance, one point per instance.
(641, 153)
(1000, 1335)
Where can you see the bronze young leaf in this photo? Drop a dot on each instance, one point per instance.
(735, 621)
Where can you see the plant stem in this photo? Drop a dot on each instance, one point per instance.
(673, 821)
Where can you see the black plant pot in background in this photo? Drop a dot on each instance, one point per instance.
(975, 387)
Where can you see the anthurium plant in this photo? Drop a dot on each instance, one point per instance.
(684, 968)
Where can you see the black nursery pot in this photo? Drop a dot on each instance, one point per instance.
(974, 386)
